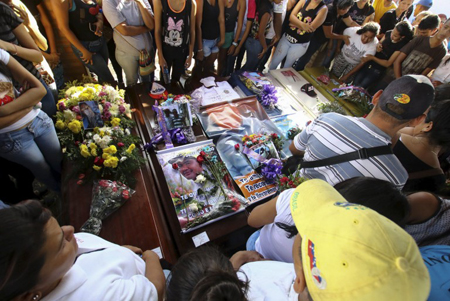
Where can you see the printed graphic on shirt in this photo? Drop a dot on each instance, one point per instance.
(174, 32)
(255, 26)
(353, 53)
(307, 20)
(416, 62)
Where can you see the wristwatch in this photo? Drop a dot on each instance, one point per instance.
(235, 44)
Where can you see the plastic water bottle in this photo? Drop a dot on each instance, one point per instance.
(166, 76)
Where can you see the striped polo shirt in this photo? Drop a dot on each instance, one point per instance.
(333, 134)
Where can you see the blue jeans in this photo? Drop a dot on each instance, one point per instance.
(366, 76)
(48, 102)
(37, 148)
(99, 59)
(253, 48)
(250, 246)
(314, 45)
(288, 50)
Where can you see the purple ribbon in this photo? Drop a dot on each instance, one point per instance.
(176, 135)
(270, 167)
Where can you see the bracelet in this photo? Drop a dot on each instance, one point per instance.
(200, 50)
(15, 48)
(235, 44)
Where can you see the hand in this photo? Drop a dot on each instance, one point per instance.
(346, 40)
(307, 27)
(187, 64)
(87, 57)
(242, 257)
(366, 58)
(99, 28)
(379, 47)
(22, 14)
(231, 50)
(275, 39)
(262, 53)
(150, 255)
(134, 249)
(221, 42)
(52, 58)
(436, 83)
(199, 56)
(237, 50)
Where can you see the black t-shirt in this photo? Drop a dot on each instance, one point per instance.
(297, 36)
(8, 22)
(389, 20)
(359, 15)
(388, 49)
(332, 20)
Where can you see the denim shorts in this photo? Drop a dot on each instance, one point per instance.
(210, 46)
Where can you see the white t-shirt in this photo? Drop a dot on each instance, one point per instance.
(272, 242)
(269, 280)
(442, 73)
(279, 8)
(118, 11)
(104, 271)
(356, 49)
(223, 92)
(4, 58)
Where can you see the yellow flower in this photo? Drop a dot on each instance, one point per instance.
(97, 168)
(84, 151)
(75, 126)
(93, 145)
(110, 150)
(60, 125)
(105, 156)
(131, 148)
(94, 152)
(102, 133)
(111, 162)
(115, 121)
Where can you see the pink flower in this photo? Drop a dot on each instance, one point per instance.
(175, 166)
(76, 109)
(122, 109)
(120, 144)
(237, 146)
(107, 105)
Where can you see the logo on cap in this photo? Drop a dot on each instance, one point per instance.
(315, 272)
(402, 98)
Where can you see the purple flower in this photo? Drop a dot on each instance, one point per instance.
(271, 169)
(268, 97)
(106, 115)
(107, 105)
(122, 109)
(76, 109)
(62, 106)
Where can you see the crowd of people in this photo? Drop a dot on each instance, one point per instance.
(369, 223)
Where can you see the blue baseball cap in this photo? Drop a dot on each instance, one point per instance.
(427, 3)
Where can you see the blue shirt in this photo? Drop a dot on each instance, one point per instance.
(437, 260)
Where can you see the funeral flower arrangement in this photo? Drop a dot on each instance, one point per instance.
(107, 150)
(262, 87)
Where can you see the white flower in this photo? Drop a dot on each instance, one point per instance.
(104, 142)
(193, 207)
(123, 159)
(97, 138)
(200, 179)
(114, 110)
(127, 132)
(69, 115)
(100, 107)
(88, 135)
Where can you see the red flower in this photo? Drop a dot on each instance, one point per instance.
(120, 144)
(103, 183)
(291, 183)
(77, 143)
(81, 176)
(274, 136)
(126, 194)
(202, 153)
(79, 182)
(98, 161)
(237, 146)
(175, 166)
(284, 179)
(200, 159)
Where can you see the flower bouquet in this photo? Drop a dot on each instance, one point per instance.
(291, 181)
(107, 197)
(356, 95)
(262, 87)
(107, 150)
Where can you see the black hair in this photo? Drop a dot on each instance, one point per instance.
(344, 4)
(378, 195)
(22, 237)
(439, 114)
(405, 29)
(369, 27)
(431, 21)
(205, 274)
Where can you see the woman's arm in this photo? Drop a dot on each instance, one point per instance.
(369, 18)
(329, 34)
(31, 25)
(261, 33)
(61, 11)
(198, 29)
(147, 16)
(154, 272)
(28, 51)
(129, 30)
(398, 64)
(385, 63)
(192, 34)
(263, 214)
(157, 9)
(308, 27)
(30, 97)
(221, 20)
(244, 37)
(48, 29)
(240, 22)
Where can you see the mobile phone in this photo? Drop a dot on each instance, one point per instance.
(92, 27)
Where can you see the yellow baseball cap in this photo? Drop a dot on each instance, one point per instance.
(350, 252)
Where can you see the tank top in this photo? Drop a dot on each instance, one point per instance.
(231, 15)
(176, 25)
(210, 23)
(297, 36)
(81, 19)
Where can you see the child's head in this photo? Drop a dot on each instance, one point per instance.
(428, 26)
(205, 274)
